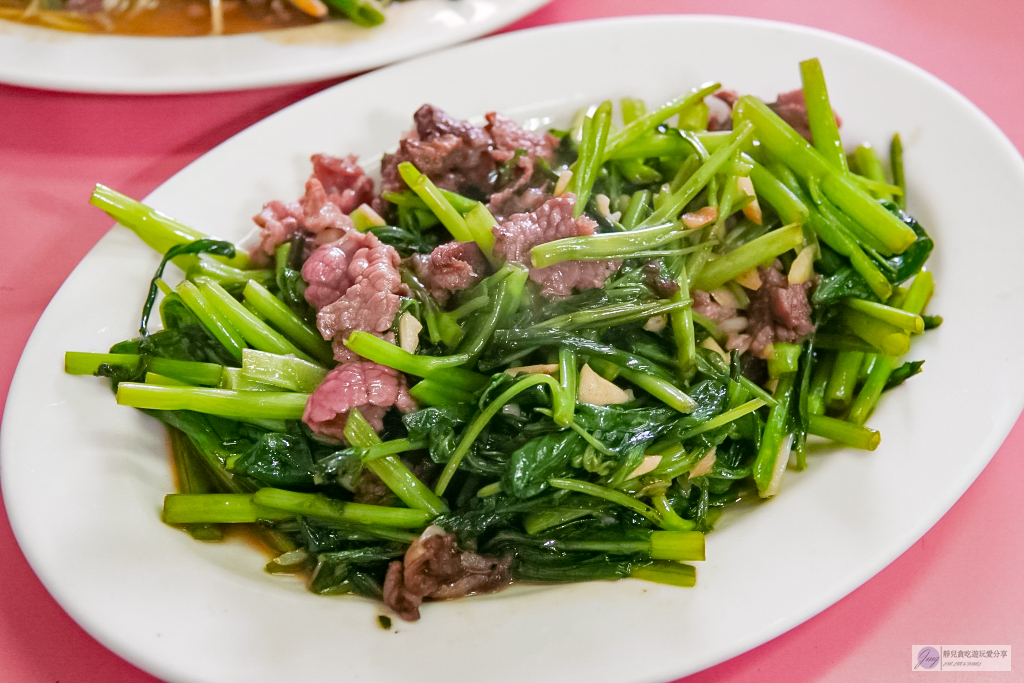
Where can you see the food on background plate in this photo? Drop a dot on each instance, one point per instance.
(188, 17)
(529, 356)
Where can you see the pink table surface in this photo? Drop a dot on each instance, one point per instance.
(961, 583)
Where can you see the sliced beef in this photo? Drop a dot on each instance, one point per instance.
(720, 307)
(778, 311)
(336, 187)
(662, 287)
(509, 136)
(405, 604)
(371, 299)
(319, 213)
(371, 489)
(458, 156)
(327, 268)
(343, 179)
(450, 268)
(368, 386)
(435, 568)
(452, 153)
(278, 222)
(518, 199)
(553, 220)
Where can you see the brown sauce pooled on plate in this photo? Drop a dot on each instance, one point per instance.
(180, 18)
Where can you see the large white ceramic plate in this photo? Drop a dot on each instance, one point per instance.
(60, 60)
(83, 479)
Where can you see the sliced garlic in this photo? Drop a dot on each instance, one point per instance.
(712, 345)
(563, 182)
(596, 390)
(803, 266)
(753, 209)
(704, 465)
(409, 329)
(723, 297)
(656, 323)
(750, 279)
(649, 463)
(542, 369)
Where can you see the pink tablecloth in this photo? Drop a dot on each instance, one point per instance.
(961, 583)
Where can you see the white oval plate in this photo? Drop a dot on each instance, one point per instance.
(83, 478)
(61, 60)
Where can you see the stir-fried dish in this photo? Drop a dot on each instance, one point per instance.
(529, 356)
(188, 17)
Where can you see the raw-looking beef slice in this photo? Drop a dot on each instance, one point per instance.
(450, 267)
(435, 568)
(368, 386)
(778, 311)
(371, 302)
(346, 184)
(319, 213)
(517, 199)
(509, 136)
(553, 220)
(278, 222)
(327, 268)
(454, 154)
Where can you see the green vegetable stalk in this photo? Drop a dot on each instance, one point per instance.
(157, 230)
(785, 144)
(395, 475)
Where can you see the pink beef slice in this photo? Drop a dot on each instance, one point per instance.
(461, 157)
(435, 568)
(519, 196)
(326, 270)
(553, 220)
(336, 188)
(344, 181)
(319, 213)
(368, 386)
(371, 301)
(450, 268)
(278, 222)
(778, 311)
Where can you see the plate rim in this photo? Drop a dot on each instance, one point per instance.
(509, 11)
(995, 437)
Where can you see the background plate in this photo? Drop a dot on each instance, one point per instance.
(83, 479)
(61, 60)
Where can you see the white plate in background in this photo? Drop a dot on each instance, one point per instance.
(62, 60)
(83, 479)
